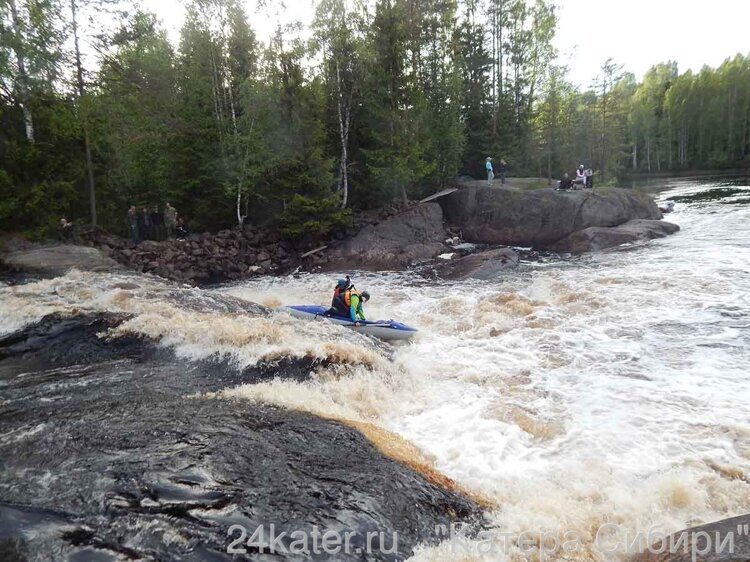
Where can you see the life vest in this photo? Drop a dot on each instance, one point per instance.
(348, 296)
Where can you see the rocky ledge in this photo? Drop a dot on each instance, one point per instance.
(54, 259)
(483, 265)
(110, 454)
(411, 236)
(598, 238)
(727, 540)
(540, 218)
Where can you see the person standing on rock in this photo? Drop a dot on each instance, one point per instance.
(580, 177)
(144, 225)
(157, 222)
(503, 169)
(490, 171)
(133, 224)
(170, 220)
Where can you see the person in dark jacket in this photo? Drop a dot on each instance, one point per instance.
(338, 307)
(133, 224)
(65, 230)
(182, 229)
(145, 224)
(502, 169)
(157, 222)
(566, 182)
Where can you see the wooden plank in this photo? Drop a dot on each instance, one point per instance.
(439, 194)
(315, 251)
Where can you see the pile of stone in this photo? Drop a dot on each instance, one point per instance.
(212, 258)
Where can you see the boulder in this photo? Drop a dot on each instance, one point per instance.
(482, 265)
(57, 259)
(413, 235)
(704, 542)
(598, 238)
(539, 218)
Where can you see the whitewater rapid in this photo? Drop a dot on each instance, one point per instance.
(570, 393)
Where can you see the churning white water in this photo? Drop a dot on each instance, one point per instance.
(610, 389)
(572, 394)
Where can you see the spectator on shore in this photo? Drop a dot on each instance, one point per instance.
(157, 222)
(589, 178)
(65, 230)
(566, 182)
(144, 223)
(182, 229)
(170, 220)
(502, 169)
(490, 171)
(580, 176)
(133, 224)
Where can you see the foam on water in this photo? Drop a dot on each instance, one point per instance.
(610, 388)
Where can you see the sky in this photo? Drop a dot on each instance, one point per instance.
(635, 33)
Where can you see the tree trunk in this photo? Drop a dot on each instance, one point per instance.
(669, 142)
(494, 72)
(635, 155)
(500, 49)
(344, 112)
(23, 77)
(604, 133)
(81, 91)
(549, 166)
(240, 217)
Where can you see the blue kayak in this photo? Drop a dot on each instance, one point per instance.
(383, 329)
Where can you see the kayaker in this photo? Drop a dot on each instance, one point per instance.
(355, 300)
(338, 308)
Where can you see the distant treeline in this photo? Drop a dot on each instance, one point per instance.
(390, 99)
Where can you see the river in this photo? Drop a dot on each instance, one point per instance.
(605, 390)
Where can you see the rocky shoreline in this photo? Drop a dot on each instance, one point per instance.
(397, 239)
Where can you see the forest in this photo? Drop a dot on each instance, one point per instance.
(378, 101)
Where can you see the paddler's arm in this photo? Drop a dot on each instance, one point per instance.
(354, 304)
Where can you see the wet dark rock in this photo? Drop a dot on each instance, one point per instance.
(413, 235)
(705, 539)
(540, 217)
(485, 265)
(599, 238)
(121, 458)
(60, 341)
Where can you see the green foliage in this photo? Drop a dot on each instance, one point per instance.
(313, 217)
(392, 98)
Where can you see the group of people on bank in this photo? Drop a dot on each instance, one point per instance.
(502, 170)
(584, 179)
(151, 223)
